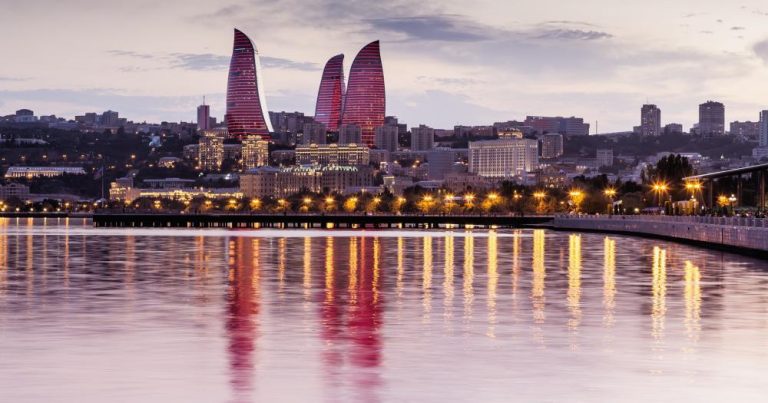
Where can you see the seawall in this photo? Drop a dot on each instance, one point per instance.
(736, 234)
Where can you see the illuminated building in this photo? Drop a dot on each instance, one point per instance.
(332, 154)
(246, 105)
(350, 134)
(552, 145)
(364, 102)
(503, 158)
(422, 138)
(330, 96)
(282, 182)
(211, 151)
(255, 151)
(42, 172)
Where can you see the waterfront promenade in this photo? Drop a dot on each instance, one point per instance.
(176, 220)
(746, 234)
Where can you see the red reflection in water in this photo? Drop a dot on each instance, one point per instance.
(243, 306)
(352, 334)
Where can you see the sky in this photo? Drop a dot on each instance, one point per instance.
(445, 62)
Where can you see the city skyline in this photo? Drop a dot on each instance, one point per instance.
(446, 65)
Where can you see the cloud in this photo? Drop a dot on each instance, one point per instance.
(737, 28)
(199, 61)
(280, 63)
(761, 50)
(13, 79)
(571, 35)
(569, 22)
(444, 27)
(206, 61)
(129, 53)
(454, 81)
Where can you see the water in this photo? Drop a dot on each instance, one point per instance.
(94, 315)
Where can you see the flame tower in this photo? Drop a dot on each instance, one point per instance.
(365, 101)
(330, 96)
(246, 105)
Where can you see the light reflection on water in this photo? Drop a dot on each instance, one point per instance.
(531, 315)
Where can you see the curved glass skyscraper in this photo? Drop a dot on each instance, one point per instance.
(330, 96)
(365, 101)
(246, 106)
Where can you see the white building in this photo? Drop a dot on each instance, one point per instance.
(504, 158)
(604, 157)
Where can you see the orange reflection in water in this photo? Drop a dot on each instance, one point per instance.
(609, 280)
(493, 281)
(426, 281)
(692, 301)
(659, 292)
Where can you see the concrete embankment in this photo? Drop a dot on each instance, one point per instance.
(737, 234)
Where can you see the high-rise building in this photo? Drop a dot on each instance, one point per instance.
(350, 134)
(604, 157)
(203, 117)
(211, 151)
(330, 96)
(503, 158)
(246, 105)
(650, 120)
(365, 102)
(255, 152)
(422, 138)
(333, 154)
(386, 137)
(288, 122)
(314, 133)
(551, 145)
(763, 135)
(571, 126)
(711, 119)
(109, 119)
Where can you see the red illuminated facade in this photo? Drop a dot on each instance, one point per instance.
(246, 105)
(365, 101)
(330, 96)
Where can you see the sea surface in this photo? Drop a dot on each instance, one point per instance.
(215, 315)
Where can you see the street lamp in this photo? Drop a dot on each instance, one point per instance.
(660, 188)
(610, 193)
(732, 201)
(694, 188)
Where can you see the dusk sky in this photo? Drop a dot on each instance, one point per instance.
(445, 62)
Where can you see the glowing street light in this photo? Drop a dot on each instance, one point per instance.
(660, 188)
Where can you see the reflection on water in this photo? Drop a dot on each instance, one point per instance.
(94, 314)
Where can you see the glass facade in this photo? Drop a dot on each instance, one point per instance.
(246, 106)
(365, 101)
(330, 96)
